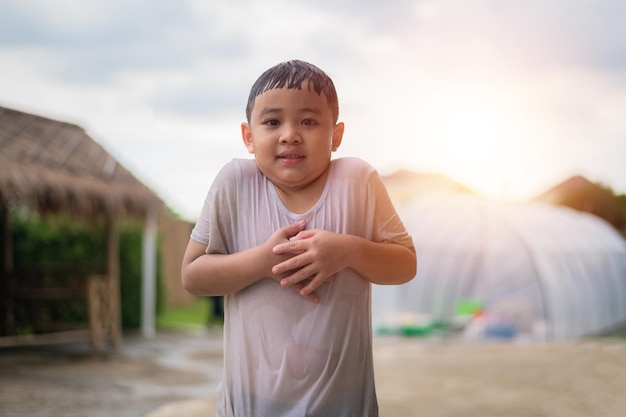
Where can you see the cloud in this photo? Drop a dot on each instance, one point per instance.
(200, 101)
(517, 35)
(173, 76)
(99, 40)
(75, 23)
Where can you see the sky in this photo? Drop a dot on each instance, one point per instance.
(507, 97)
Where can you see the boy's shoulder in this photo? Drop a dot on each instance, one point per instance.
(243, 164)
(352, 166)
(239, 167)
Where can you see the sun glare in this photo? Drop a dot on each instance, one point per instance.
(473, 134)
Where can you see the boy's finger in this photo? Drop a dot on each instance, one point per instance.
(312, 296)
(297, 274)
(294, 229)
(312, 285)
(282, 267)
(290, 247)
(304, 234)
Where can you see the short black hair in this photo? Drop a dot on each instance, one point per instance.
(292, 74)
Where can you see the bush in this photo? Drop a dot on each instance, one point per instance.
(130, 275)
(62, 252)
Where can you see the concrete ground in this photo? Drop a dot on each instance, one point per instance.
(176, 374)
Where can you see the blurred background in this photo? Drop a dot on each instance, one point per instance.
(507, 97)
(498, 127)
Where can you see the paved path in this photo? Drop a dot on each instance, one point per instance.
(176, 375)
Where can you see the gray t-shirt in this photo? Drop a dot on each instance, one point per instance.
(284, 355)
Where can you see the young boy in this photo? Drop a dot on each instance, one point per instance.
(293, 219)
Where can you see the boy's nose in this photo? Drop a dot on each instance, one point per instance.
(290, 134)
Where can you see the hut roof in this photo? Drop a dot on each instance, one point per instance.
(53, 166)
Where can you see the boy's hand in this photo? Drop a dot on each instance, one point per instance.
(317, 256)
(281, 237)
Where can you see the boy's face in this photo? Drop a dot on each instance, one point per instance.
(292, 134)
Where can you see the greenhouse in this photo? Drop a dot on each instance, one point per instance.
(546, 271)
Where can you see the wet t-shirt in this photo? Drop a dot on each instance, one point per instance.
(285, 355)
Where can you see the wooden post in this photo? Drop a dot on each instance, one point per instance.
(113, 278)
(94, 301)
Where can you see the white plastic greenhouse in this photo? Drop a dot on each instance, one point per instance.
(564, 270)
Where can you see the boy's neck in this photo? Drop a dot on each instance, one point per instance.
(299, 201)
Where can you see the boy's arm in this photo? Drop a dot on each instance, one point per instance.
(382, 263)
(219, 274)
(319, 254)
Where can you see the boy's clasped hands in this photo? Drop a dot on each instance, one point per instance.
(309, 258)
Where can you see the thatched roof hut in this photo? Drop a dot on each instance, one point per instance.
(56, 167)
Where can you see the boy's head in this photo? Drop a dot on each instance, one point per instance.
(295, 74)
(292, 126)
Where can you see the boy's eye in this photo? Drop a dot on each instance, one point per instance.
(308, 122)
(271, 122)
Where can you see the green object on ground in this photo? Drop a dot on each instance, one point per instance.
(468, 307)
(416, 330)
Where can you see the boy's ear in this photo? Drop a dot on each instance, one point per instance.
(337, 136)
(246, 135)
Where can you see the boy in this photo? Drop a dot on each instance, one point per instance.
(293, 218)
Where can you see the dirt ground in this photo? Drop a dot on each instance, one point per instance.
(175, 375)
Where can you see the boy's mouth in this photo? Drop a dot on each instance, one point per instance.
(290, 156)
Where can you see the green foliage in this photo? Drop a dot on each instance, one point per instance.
(130, 284)
(130, 275)
(62, 252)
(40, 245)
(190, 316)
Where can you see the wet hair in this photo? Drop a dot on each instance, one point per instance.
(292, 74)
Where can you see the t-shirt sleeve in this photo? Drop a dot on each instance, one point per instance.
(208, 229)
(388, 227)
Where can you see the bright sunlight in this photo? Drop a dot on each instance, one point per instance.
(474, 136)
